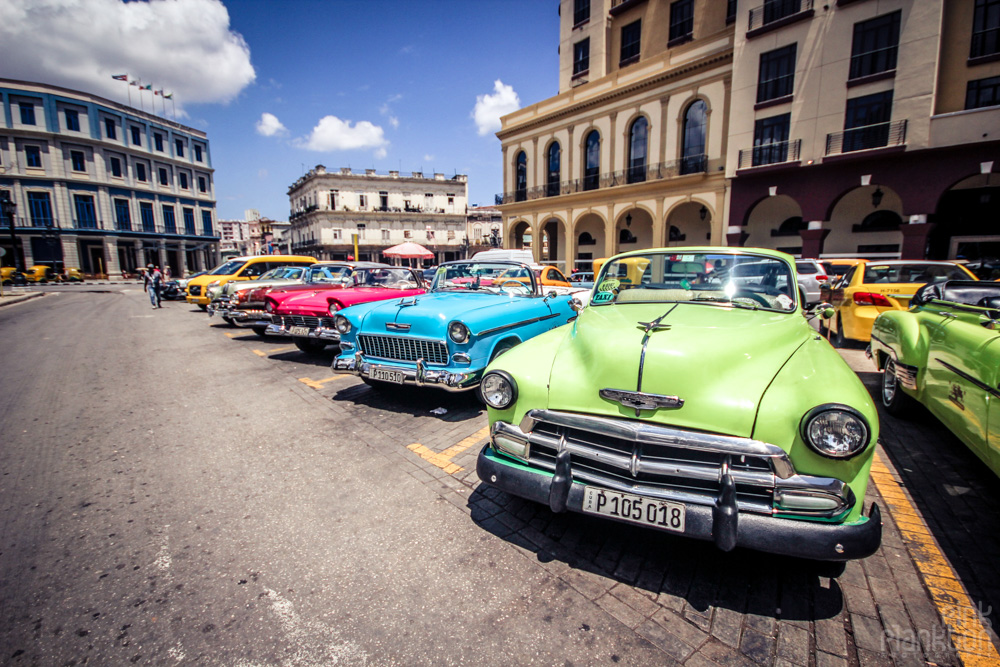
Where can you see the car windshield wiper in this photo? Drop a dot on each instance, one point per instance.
(725, 299)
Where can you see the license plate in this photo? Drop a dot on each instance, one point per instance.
(637, 509)
(386, 375)
(299, 331)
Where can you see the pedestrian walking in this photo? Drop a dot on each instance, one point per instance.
(151, 283)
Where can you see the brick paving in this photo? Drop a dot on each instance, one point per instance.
(698, 605)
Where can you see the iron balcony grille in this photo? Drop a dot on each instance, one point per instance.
(402, 348)
(669, 471)
(765, 154)
(878, 135)
(775, 10)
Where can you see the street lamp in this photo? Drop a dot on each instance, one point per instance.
(9, 207)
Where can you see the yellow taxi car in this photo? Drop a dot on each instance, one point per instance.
(9, 275)
(872, 287)
(238, 268)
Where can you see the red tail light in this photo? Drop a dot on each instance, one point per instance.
(820, 278)
(871, 299)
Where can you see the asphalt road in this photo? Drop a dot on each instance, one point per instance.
(175, 491)
(165, 499)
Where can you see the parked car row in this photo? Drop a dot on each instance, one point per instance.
(684, 392)
(39, 273)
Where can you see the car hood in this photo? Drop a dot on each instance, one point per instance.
(719, 360)
(317, 301)
(428, 315)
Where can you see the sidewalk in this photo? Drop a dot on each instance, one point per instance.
(13, 295)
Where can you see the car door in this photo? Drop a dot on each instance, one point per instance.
(961, 376)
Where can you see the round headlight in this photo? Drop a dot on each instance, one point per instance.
(836, 431)
(458, 332)
(334, 307)
(269, 306)
(498, 389)
(342, 324)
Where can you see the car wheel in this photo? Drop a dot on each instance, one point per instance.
(838, 336)
(260, 331)
(501, 349)
(310, 345)
(896, 402)
(228, 320)
(203, 306)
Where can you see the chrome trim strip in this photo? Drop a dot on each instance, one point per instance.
(524, 323)
(664, 435)
(639, 400)
(962, 374)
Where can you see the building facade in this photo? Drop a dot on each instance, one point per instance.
(631, 153)
(329, 208)
(101, 186)
(867, 128)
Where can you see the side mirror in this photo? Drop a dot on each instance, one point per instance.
(576, 304)
(822, 310)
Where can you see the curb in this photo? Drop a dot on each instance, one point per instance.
(10, 300)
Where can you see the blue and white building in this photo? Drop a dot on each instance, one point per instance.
(102, 186)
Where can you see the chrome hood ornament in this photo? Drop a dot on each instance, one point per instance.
(640, 400)
(407, 301)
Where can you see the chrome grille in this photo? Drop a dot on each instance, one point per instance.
(402, 348)
(303, 321)
(665, 467)
(194, 290)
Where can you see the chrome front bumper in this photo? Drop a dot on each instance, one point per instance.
(318, 333)
(421, 375)
(249, 318)
(220, 308)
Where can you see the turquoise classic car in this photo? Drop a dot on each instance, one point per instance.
(691, 396)
(945, 353)
(474, 312)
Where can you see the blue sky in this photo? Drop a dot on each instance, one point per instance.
(383, 84)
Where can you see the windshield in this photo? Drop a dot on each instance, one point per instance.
(495, 277)
(394, 278)
(229, 268)
(745, 281)
(337, 275)
(912, 273)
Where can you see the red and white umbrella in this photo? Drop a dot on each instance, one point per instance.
(408, 250)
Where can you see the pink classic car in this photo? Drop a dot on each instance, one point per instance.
(307, 314)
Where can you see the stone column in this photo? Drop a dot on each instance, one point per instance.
(570, 244)
(813, 238)
(161, 254)
(183, 257)
(915, 237)
(111, 265)
(71, 251)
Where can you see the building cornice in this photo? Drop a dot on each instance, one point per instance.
(686, 70)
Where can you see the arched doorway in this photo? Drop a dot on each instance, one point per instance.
(967, 220)
(553, 247)
(520, 236)
(634, 231)
(775, 223)
(590, 242)
(689, 224)
(865, 222)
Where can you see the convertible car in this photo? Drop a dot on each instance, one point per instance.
(305, 313)
(691, 396)
(945, 353)
(446, 337)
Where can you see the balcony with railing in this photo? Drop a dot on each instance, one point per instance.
(868, 137)
(694, 164)
(779, 152)
(777, 13)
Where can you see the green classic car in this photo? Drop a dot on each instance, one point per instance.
(691, 396)
(945, 353)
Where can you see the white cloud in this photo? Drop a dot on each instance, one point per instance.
(428, 158)
(334, 134)
(182, 46)
(269, 125)
(394, 122)
(489, 108)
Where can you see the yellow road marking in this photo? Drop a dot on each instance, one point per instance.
(261, 353)
(318, 384)
(964, 619)
(443, 460)
(231, 335)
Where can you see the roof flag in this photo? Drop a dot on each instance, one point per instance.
(167, 96)
(120, 77)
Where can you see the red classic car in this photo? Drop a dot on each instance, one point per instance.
(307, 314)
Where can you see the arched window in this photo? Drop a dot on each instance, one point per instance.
(693, 150)
(637, 150)
(552, 179)
(592, 164)
(676, 236)
(586, 239)
(625, 235)
(879, 221)
(521, 177)
(790, 227)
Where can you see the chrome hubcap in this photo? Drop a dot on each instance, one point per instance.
(889, 383)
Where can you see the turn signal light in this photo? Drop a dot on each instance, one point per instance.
(871, 299)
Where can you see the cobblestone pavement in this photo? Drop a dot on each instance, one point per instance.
(926, 597)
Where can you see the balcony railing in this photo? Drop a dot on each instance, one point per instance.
(773, 11)
(765, 154)
(655, 172)
(879, 135)
(21, 222)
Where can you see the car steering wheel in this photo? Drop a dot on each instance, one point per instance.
(753, 296)
(513, 283)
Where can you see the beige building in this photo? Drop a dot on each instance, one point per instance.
(329, 208)
(631, 153)
(865, 128)
(102, 186)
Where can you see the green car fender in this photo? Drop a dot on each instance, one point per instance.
(529, 364)
(899, 330)
(812, 378)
